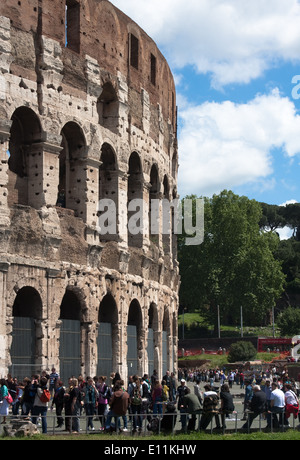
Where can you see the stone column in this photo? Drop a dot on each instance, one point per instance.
(88, 190)
(156, 227)
(5, 126)
(5, 56)
(89, 348)
(3, 321)
(53, 313)
(43, 172)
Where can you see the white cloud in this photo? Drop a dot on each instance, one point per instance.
(289, 202)
(284, 233)
(233, 40)
(225, 145)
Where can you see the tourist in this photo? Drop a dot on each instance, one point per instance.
(53, 380)
(231, 378)
(181, 392)
(124, 417)
(210, 408)
(40, 405)
(172, 391)
(28, 397)
(119, 404)
(4, 400)
(90, 400)
(248, 397)
(104, 394)
(277, 407)
(73, 403)
(58, 402)
(136, 395)
(157, 398)
(192, 406)
(291, 403)
(227, 405)
(165, 390)
(154, 378)
(258, 406)
(242, 380)
(167, 379)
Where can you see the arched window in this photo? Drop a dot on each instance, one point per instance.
(108, 108)
(134, 329)
(153, 195)
(25, 132)
(108, 190)
(135, 191)
(69, 190)
(72, 26)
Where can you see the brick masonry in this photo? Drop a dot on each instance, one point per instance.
(87, 111)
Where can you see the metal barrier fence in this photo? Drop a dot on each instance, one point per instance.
(155, 424)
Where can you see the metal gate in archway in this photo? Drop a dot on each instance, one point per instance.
(22, 350)
(69, 349)
(105, 354)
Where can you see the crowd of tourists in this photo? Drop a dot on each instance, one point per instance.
(203, 395)
(271, 395)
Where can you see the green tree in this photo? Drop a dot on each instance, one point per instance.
(234, 266)
(273, 217)
(291, 214)
(289, 322)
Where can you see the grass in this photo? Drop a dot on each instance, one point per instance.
(290, 435)
(195, 326)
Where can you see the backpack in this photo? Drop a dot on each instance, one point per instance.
(136, 399)
(9, 398)
(210, 403)
(45, 396)
(164, 395)
(153, 425)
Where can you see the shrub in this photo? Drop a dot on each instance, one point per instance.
(242, 351)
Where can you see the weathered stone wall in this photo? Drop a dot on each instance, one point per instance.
(71, 117)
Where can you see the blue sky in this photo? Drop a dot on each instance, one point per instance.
(233, 62)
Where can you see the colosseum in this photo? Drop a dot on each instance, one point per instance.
(88, 112)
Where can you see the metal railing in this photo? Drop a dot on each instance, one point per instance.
(147, 424)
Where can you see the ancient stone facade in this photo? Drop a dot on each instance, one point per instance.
(87, 111)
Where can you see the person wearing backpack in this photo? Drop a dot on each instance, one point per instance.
(136, 404)
(104, 394)
(210, 408)
(40, 405)
(119, 404)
